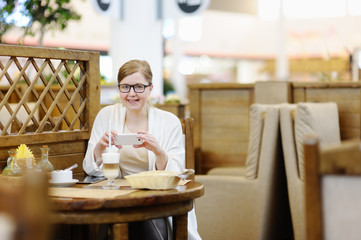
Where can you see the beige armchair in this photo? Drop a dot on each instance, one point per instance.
(255, 205)
(297, 121)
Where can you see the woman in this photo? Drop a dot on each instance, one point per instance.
(161, 131)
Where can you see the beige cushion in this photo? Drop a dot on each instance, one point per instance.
(320, 119)
(255, 136)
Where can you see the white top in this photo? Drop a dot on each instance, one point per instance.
(132, 160)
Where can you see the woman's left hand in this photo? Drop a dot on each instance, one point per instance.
(150, 143)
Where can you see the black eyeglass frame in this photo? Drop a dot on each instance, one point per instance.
(133, 86)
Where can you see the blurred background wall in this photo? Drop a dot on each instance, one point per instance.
(231, 41)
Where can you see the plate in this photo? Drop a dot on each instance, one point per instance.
(64, 184)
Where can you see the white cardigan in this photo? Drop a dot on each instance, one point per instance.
(164, 126)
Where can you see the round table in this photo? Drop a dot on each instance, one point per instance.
(137, 206)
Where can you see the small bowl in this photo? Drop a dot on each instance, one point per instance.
(61, 176)
(155, 180)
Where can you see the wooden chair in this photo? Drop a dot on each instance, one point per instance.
(332, 187)
(24, 206)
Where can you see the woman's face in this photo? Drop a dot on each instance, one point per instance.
(132, 100)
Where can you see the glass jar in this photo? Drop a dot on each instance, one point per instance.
(12, 168)
(26, 163)
(44, 164)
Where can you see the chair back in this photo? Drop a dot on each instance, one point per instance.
(187, 126)
(320, 119)
(264, 142)
(257, 115)
(297, 121)
(332, 187)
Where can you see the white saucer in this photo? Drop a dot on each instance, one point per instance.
(64, 184)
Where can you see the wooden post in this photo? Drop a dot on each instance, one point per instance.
(312, 189)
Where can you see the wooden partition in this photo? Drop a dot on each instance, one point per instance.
(62, 87)
(221, 114)
(347, 95)
(221, 124)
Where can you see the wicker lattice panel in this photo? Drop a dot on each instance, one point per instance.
(41, 93)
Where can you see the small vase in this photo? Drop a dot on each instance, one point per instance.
(44, 164)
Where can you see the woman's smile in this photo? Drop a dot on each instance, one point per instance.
(132, 101)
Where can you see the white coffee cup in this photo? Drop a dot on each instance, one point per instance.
(61, 176)
(111, 164)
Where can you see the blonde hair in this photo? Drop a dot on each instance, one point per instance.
(134, 66)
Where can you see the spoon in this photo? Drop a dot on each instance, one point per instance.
(71, 167)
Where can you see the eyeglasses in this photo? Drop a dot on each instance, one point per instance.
(138, 88)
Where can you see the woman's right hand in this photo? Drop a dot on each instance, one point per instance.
(102, 144)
